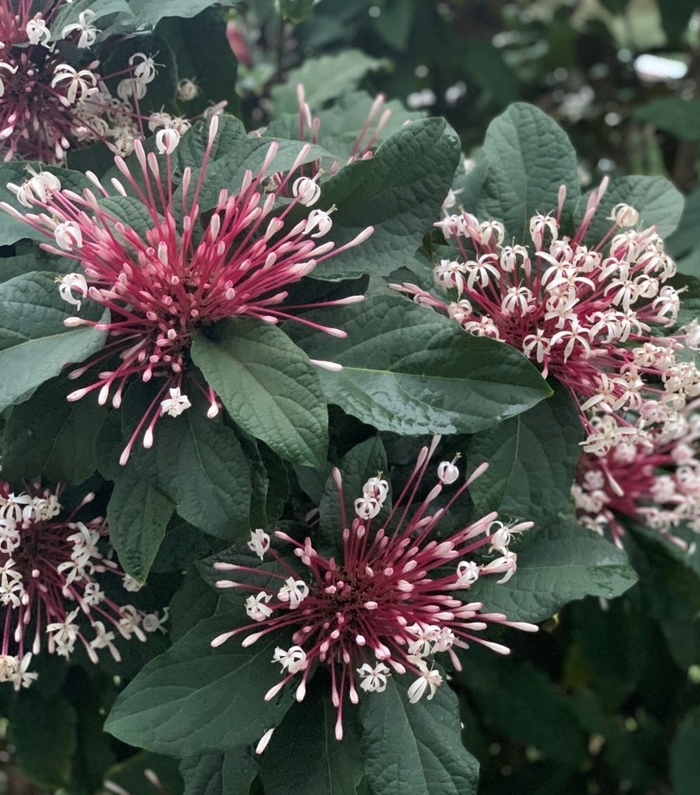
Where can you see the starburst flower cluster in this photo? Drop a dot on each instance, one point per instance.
(52, 94)
(164, 282)
(655, 482)
(50, 595)
(390, 603)
(583, 313)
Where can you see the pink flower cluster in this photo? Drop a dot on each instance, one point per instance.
(390, 603)
(162, 283)
(48, 588)
(582, 313)
(52, 100)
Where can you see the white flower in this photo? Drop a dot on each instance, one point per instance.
(88, 32)
(175, 404)
(425, 636)
(308, 191)
(187, 90)
(624, 215)
(70, 282)
(167, 140)
(130, 584)
(259, 542)
(68, 236)
(8, 68)
(318, 219)
(294, 592)
(376, 489)
(427, 680)
(20, 678)
(152, 622)
(145, 69)
(373, 679)
(367, 507)
(467, 574)
(292, 660)
(255, 608)
(63, 634)
(447, 472)
(80, 84)
(37, 31)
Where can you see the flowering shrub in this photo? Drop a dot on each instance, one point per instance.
(242, 327)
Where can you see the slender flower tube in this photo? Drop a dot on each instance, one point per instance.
(48, 588)
(583, 313)
(165, 279)
(389, 603)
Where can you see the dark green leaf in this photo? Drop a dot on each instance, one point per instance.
(32, 329)
(268, 386)
(532, 460)
(199, 464)
(219, 774)
(147, 14)
(398, 191)
(131, 775)
(46, 435)
(304, 756)
(409, 370)
(43, 732)
(195, 699)
(323, 78)
(529, 157)
(561, 562)
(194, 601)
(415, 749)
(655, 198)
(673, 114)
(137, 516)
(685, 761)
(675, 15)
(295, 10)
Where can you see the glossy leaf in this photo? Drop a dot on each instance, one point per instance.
(529, 157)
(398, 191)
(560, 563)
(268, 386)
(532, 460)
(409, 370)
(46, 435)
(415, 749)
(195, 699)
(304, 756)
(219, 774)
(32, 329)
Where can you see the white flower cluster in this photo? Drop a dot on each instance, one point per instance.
(47, 567)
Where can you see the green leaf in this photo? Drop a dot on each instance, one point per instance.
(219, 774)
(204, 55)
(32, 330)
(268, 386)
(295, 10)
(398, 191)
(675, 115)
(323, 78)
(137, 516)
(342, 124)
(304, 757)
(250, 154)
(675, 16)
(685, 762)
(69, 14)
(44, 736)
(415, 749)
(199, 464)
(362, 462)
(685, 238)
(195, 699)
(194, 601)
(658, 202)
(46, 435)
(131, 775)
(522, 704)
(409, 370)
(529, 157)
(147, 14)
(532, 460)
(560, 563)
